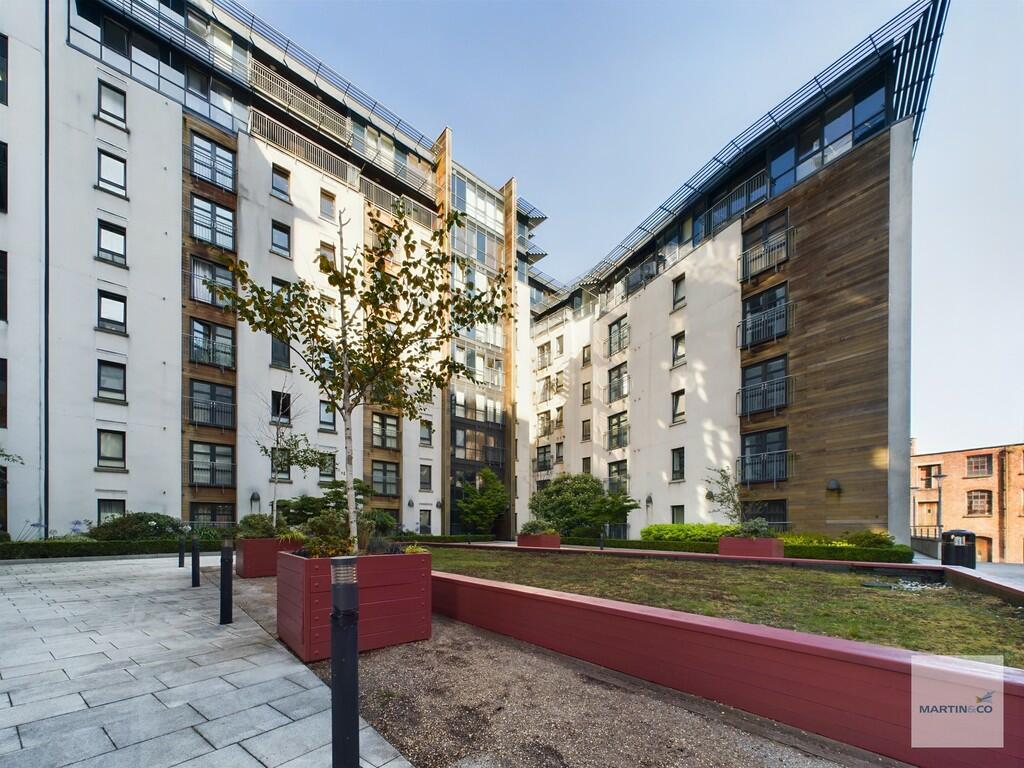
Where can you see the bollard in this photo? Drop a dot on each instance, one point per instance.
(600, 537)
(195, 561)
(226, 558)
(344, 663)
(181, 551)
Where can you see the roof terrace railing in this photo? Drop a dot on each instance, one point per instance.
(270, 130)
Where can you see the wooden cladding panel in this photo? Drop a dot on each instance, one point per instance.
(838, 280)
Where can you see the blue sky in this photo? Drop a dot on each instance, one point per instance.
(602, 109)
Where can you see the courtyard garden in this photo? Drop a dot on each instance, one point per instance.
(886, 610)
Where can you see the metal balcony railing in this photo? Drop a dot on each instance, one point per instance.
(772, 467)
(203, 412)
(765, 256)
(765, 326)
(207, 351)
(272, 131)
(543, 361)
(544, 429)
(210, 474)
(201, 288)
(616, 344)
(204, 164)
(736, 202)
(765, 396)
(211, 229)
(618, 438)
(389, 202)
(617, 389)
(933, 532)
(542, 465)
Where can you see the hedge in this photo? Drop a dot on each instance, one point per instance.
(463, 539)
(26, 550)
(899, 553)
(665, 546)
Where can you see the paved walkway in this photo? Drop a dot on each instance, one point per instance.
(121, 664)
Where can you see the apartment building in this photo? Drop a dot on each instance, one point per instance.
(759, 318)
(979, 490)
(145, 146)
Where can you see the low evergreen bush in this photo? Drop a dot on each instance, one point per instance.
(461, 539)
(688, 532)
(665, 546)
(136, 526)
(24, 550)
(895, 553)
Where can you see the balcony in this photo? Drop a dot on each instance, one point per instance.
(618, 484)
(765, 256)
(206, 351)
(772, 467)
(617, 389)
(543, 464)
(210, 474)
(202, 288)
(617, 343)
(206, 165)
(544, 430)
(766, 396)
(202, 412)
(543, 361)
(211, 229)
(618, 438)
(762, 327)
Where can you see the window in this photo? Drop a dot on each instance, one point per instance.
(765, 317)
(211, 405)
(3, 69)
(678, 406)
(328, 465)
(385, 478)
(763, 387)
(544, 423)
(115, 37)
(111, 243)
(280, 183)
(586, 356)
(281, 239)
(980, 465)
(559, 345)
(213, 223)
(618, 430)
(618, 335)
(209, 513)
(426, 432)
(328, 417)
(213, 162)
(544, 355)
(281, 407)
(425, 513)
(618, 383)
(112, 312)
(927, 475)
(543, 458)
(559, 417)
(198, 82)
(678, 463)
(764, 457)
(838, 132)
(212, 344)
(979, 502)
(772, 510)
(280, 464)
(211, 465)
(326, 204)
(206, 278)
(3, 177)
(679, 348)
(3, 392)
(586, 392)
(678, 514)
(679, 292)
(111, 103)
(559, 453)
(108, 509)
(113, 173)
(280, 353)
(618, 478)
(585, 430)
(585, 465)
(3, 286)
(385, 431)
(111, 380)
(426, 482)
(110, 449)
(327, 252)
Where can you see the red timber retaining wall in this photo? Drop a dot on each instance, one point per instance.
(852, 692)
(394, 602)
(255, 558)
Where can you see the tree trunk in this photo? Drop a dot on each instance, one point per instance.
(350, 486)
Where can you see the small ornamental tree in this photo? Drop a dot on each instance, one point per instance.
(724, 494)
(383, 336)
(570, 502)
(480, 506)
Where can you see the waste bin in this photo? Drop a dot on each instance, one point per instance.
(958, 548)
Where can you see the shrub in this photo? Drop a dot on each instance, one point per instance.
(535, 527)
(326, 546)
(810, 539)
(22, 550)
(415, 549)
(896, 553)
(256, 527)
(570, 502)
(4, 536)
(213, 532)
(381, 521)
(292, 535)
(378, 545)
(694, 545)
(870, 539)
(756, 528)
(711, 532)
(136, 526)
(461, 539)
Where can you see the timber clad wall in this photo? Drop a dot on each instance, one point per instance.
(838, 344)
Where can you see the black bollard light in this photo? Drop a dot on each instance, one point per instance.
(344, 663)
(227, 552)
(181, 551)
(195, 561)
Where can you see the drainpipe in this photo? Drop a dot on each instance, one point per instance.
(1002, 491)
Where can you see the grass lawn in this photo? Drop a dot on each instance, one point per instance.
(947, 621)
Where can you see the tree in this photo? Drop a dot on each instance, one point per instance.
(570, 502)
(481, 504)
(385, 339)
(724, 493)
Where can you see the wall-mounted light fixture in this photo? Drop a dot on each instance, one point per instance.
(833, 486)
(254, 503)
(411, 504)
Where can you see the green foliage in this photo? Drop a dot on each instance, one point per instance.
(462, 539)
(136, 526)
(21, 550)
(291, 535)
(328, 546)
(709, 532)
(755, 528)
(682, 545)
(809, 539)
(534, 527)
(896, 553)
(724, 493)
(5, 536)
(415, 549)
(212, 533)
(256, 527)
(480, 506)
(870, 539)
(571, 501)
(380, 522)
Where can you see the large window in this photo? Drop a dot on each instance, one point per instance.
(678, 463)
(108, 509)
(209, 513)
(111, 243)
(543, 458)
(618, 335)
(979, 502)
(426, 481)
(979, 465)
(211, 405)
(385, 478)
(206, 278)
(926, 475)
(618, 383)
(112, 173)
(678, 514)
(111, 312)
(765, 316)
(110, 380)
(763, 387)
(212, 162)
(773, 511)
(280, 407)
(765, 457)
(212, 465)
(385, 431)
(213, 223)
(618, 430)
(618, 477)
(110, 449)
(212, 344)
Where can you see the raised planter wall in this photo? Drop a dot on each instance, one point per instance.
(394, 602)
(741, 547)
(255, 558)
(551, 540)
(856, 693)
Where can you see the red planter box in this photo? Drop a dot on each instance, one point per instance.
(394, 602)
(258, 557)
(740, 547)
(539, 540)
